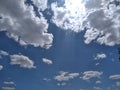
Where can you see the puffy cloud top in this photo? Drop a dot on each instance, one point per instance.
(100, 56)
(65, 76)
(87, 75)
(101, 18)
(22, 60)
(22, 24)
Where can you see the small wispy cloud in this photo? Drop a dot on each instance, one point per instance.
(47, 61)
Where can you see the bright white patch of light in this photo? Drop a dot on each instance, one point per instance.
(75, 7)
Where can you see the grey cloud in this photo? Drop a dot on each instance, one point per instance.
(65, 76)
(21, 24)
(22, 60)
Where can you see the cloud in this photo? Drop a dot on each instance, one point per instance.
(8, 88)
(46, 79)
(41, 4)
(98, 82)
(68, 16)
(61, 84)
(47, 61)
(118, 84)
(9, 83)
(100, 56)
(87, 75)
(22, 60)
(65, 76)
(115, 77)
(4, 53)
(101, 18)
(97, 88)
(1, 67)
(21, 23)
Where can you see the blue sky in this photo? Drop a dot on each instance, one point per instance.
(59, 45)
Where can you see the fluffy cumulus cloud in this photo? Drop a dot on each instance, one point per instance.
(1, 67)
(100, 56)
(101, 18)
(22, 60)
(47, 61)
(115, 77)
(21, 23)
(69, 16)
(41, 4)
(87, 75)
(65, 76)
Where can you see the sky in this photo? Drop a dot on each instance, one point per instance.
(59, 44)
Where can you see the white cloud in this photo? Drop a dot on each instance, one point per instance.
(101, 19)
(47, 61)
(100, 56)
(1, 67)
(21, 24)
(3, 53)
(41, 4)
(98, 82)
(8, 88)
(22, 60)
(87, 75)
(46, 79)
(114, 77)
(9, 83)
(97, 88)
(65, 76)
(70, 16)
(61, 84)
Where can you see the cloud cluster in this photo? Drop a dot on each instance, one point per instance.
(41, 4)
(101, 18)
(47, 61)
(65, 76)
(8, 85)
(22, 60)
(87, 75)
(20, 22)
(100, 56)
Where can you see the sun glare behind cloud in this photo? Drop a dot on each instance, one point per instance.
(75, 7)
